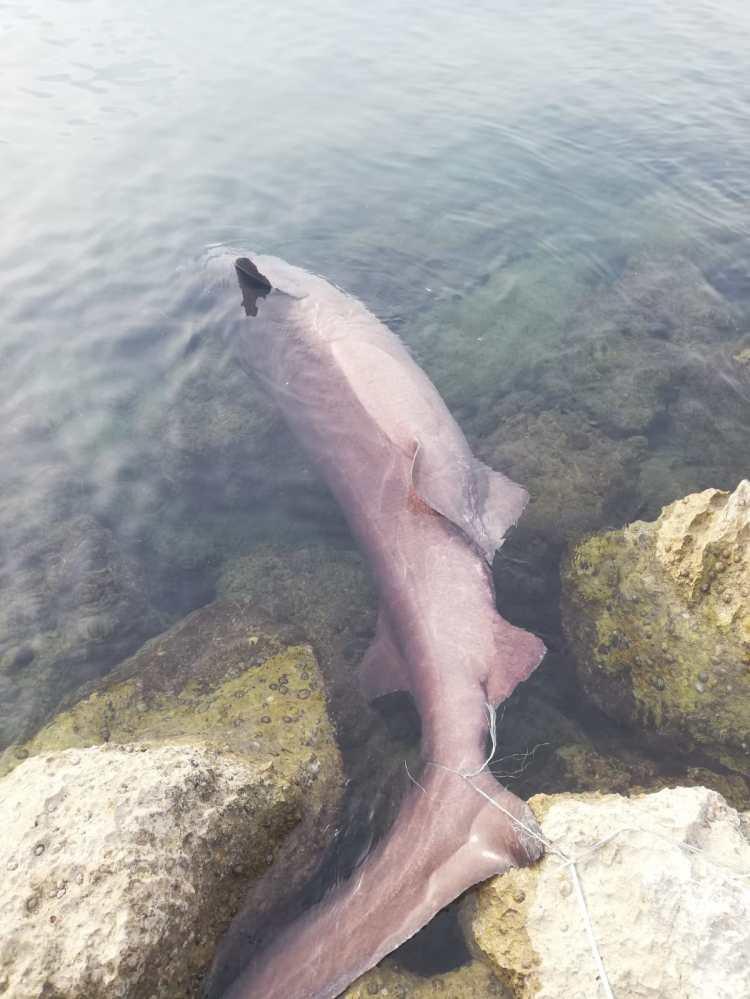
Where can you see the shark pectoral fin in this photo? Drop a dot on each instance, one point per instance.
(482, 503)
(383, 670)
(501, 502)
(445, 486)
(517, 655)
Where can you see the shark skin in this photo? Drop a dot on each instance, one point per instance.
(428, 517)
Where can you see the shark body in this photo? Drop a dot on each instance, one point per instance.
(428, 517)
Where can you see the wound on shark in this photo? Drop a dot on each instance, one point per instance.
(428, 517)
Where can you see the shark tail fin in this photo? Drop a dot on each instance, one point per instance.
(450, 835)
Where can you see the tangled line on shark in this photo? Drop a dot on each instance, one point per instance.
(428, 517)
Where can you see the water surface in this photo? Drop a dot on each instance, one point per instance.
(548, 201)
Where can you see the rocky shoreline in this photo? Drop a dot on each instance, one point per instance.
(203, 774)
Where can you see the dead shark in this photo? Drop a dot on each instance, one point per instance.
(428, 517)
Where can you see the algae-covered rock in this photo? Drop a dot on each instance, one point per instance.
(223, 674)
(659, 617)
(74, 604)
(666, 884)
(622, 769)
(324, 594)
(123, 864)
(226, 678)
(471, 981)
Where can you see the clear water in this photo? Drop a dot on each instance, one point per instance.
(510, 185)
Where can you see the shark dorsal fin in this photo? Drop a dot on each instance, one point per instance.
(253, 284)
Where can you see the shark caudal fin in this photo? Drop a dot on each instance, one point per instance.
(451, 834)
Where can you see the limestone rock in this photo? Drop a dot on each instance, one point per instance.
(703, 542)
(668, 896)
(470, 981)
(658, 615)
(227, 678)
(120, 866)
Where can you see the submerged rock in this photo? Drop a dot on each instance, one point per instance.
(592, 472)
(546, 746)
(74, 604)
(470, 981)
(623, 769)
(666, 880)
(659, 617)
(325, 594)
(605, 397)
(123, 864)
(225, 472)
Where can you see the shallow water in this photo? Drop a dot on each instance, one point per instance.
(511, 186)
